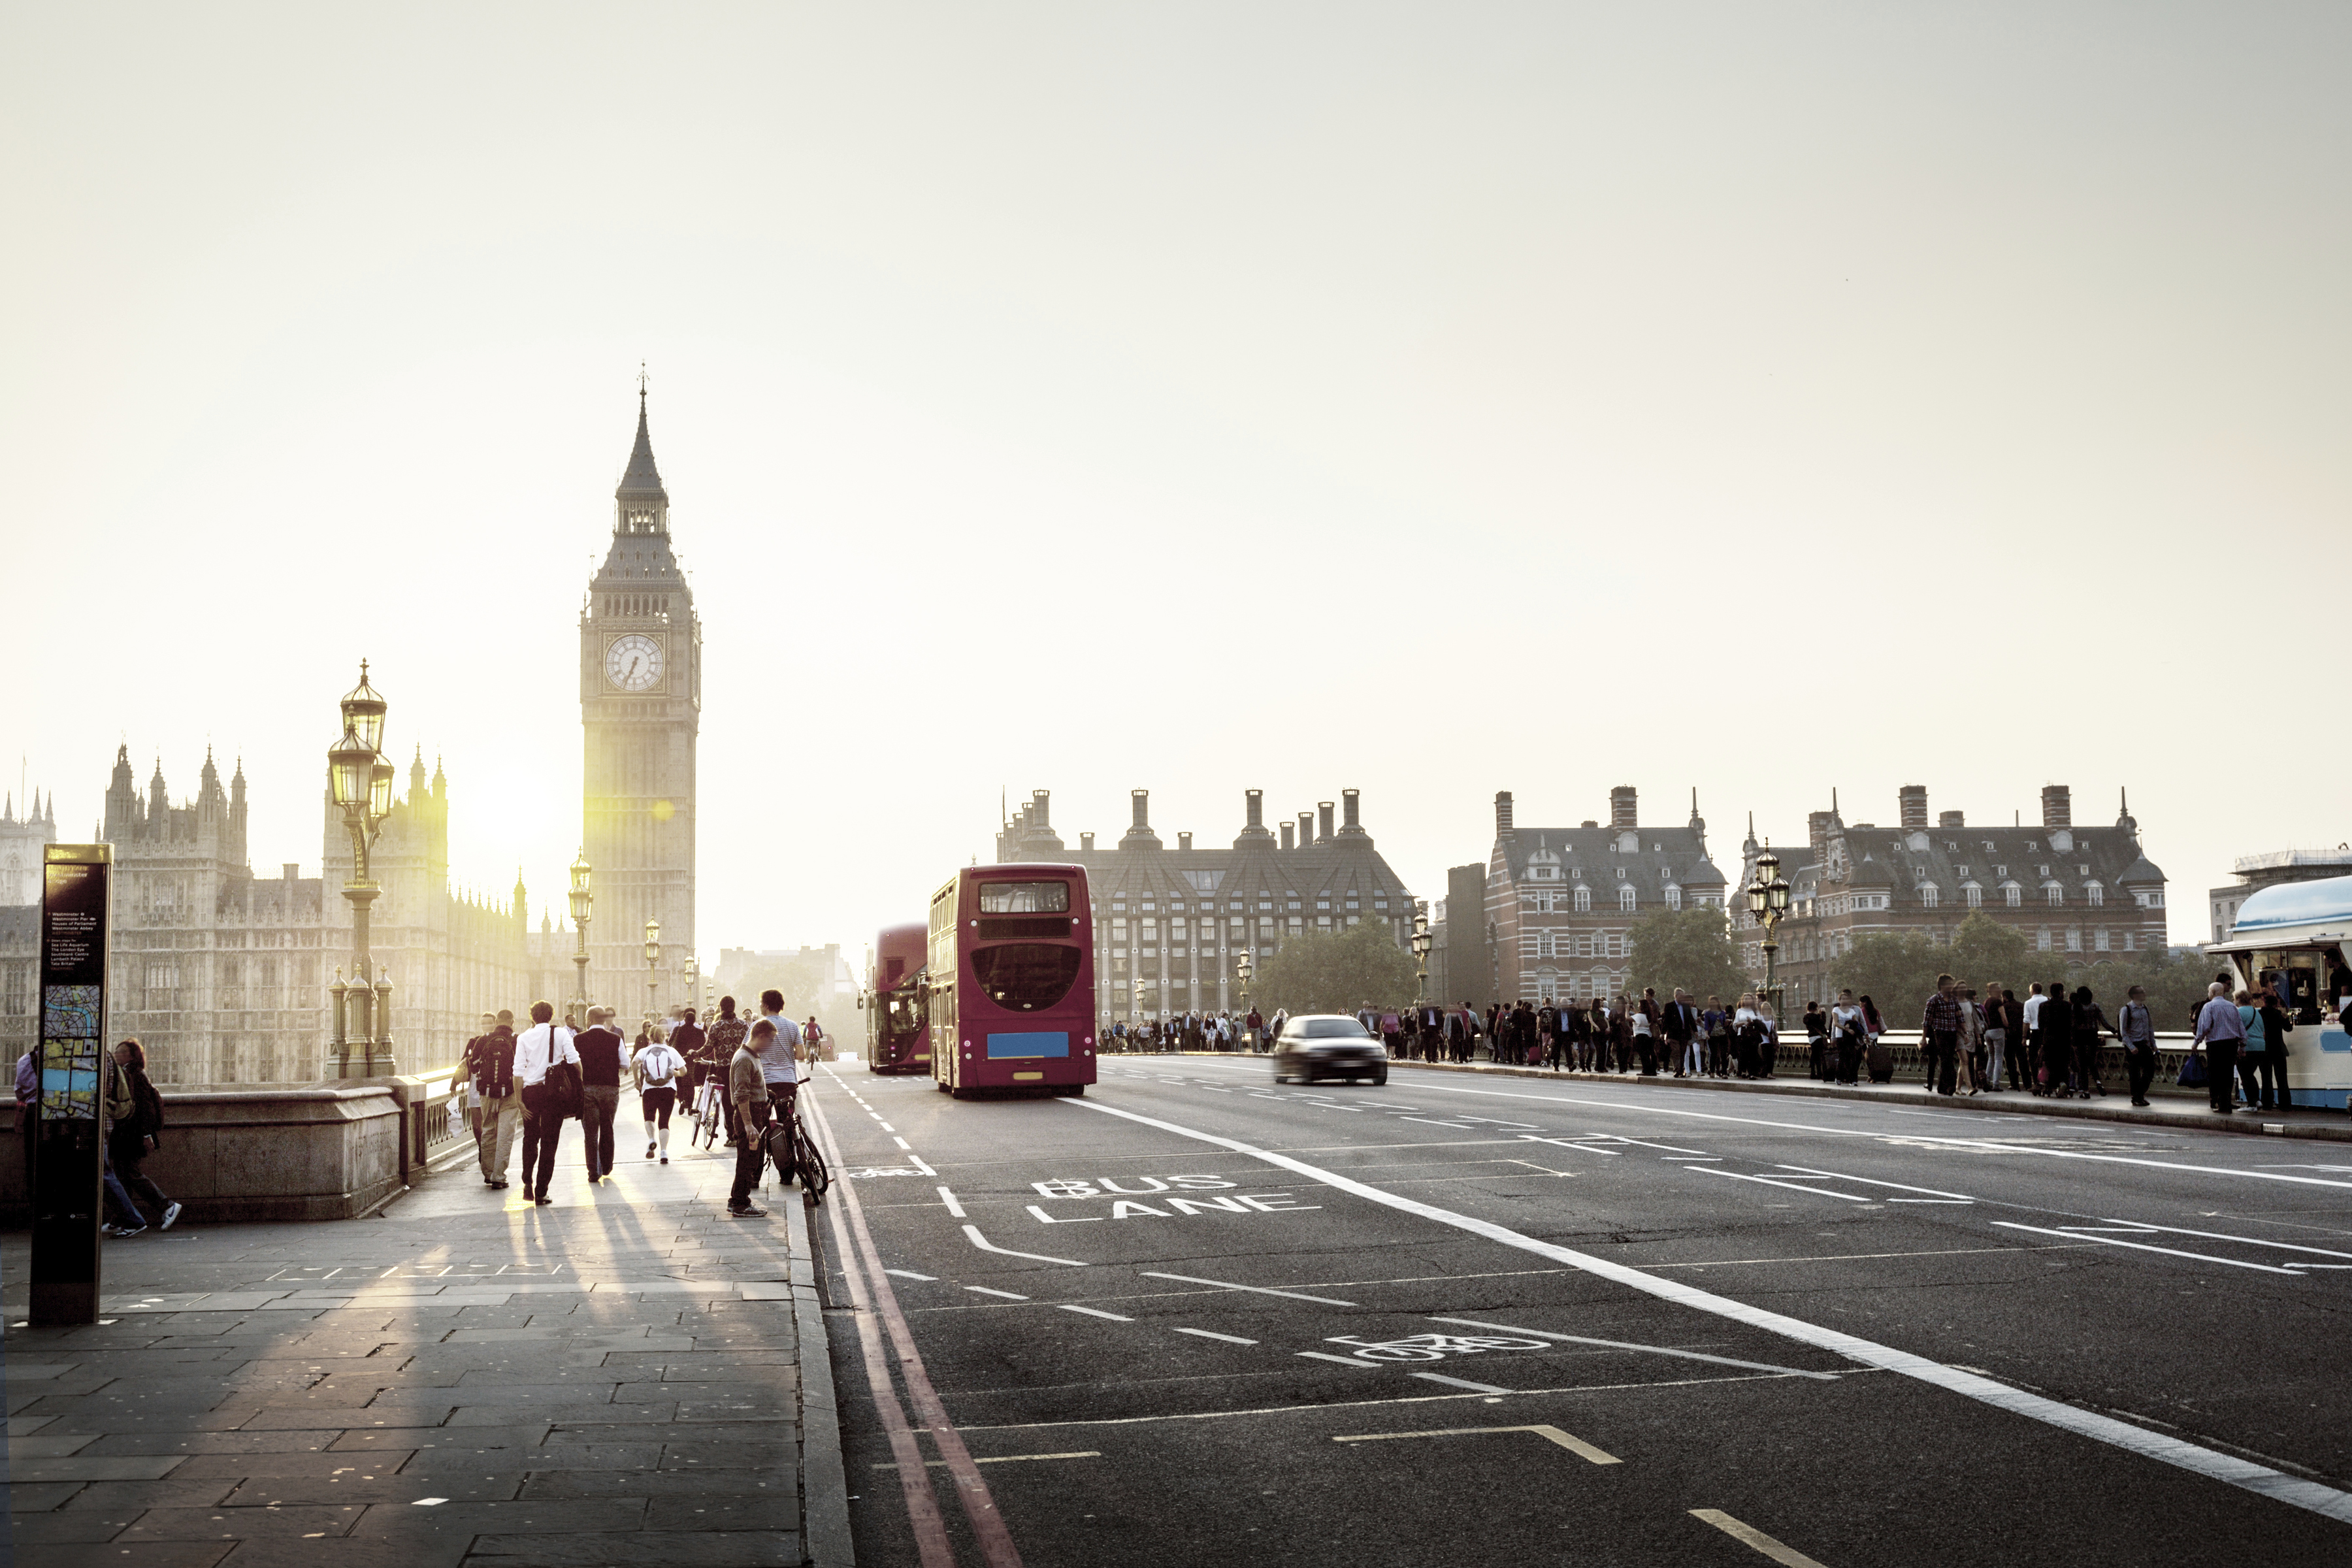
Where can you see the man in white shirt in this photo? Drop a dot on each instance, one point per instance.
(542, 1046)
(783, 1071)
(659, 1070)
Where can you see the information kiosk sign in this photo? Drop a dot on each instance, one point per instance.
(69, 1112)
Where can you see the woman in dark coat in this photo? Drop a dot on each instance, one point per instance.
(132, 1138)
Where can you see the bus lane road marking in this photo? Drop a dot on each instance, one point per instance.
(2227, 1469)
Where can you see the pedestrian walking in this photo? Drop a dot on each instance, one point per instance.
(1716, 1022)
(138, 1127)
(1971, 1044)
(1996, 1039)
(656, 1071)
(2057, 1020)
(1847, 1034)
(712, 1068)
(490, 1067)
(2276, 1026)
(2014, 1044)
(2090, 1022)
(547, 1072)
(1817, 1041)
(1939, 1036)
(601, 1051)
(781, 1072)
(2135, 1032)
(687, 1039)
(2220, 1030)
(1684, 1038)
(747, 1092)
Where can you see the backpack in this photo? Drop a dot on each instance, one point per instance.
(151, 1107)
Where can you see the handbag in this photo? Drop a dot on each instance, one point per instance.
(2192, 1070)
(561, 1089)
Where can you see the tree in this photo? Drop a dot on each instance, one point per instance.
(1336, 972)
(1690, 949)
(1896, 971)
(1986, 953)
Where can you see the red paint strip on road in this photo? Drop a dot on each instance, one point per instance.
(979, 1506)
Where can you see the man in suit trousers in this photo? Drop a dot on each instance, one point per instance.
(1681, 1023)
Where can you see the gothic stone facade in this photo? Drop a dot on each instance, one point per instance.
(1560, 904)
(2080, 891)
(1178, 918)
(222, 974)
(640, 712)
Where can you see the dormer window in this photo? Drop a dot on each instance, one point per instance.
(1625, 898)
(2097, 894)
(1583, 901)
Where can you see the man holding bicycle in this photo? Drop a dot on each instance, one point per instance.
(747, 1090)
(781, 1072)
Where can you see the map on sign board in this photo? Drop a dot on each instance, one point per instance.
(70, 1080)
(69, 1011)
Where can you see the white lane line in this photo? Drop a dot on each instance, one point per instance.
(1646, 1350)
(1228, 1339)
(1786, 1186)
(1974, 1145)
(2217, 1235)
(971, 1232)
(1255, 1289)
(1559, 1142)
(2143, 1247)
(954, 1207)
(1461, 1383)
(916, 1161)
(909, 1274)
(1342, 1360)
(984, 1290)
(1094, 1312)
(2259, 1479)
(1748, 1534)
(1426, 1122)
(902, 1143)
(1868, 1182)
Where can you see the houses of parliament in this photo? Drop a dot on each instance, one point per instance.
(222, 971)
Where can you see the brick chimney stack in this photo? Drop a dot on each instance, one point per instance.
(1183, 841)
(1951, 819)
(1817, 828)
(1350, 822)
(1323, 820)
(1287, 831)
(1621, 807)
(2057, 806)
(1502, 814)
(1914, 806)
(1305, 829)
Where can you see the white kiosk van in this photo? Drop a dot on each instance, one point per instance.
(2299, 933)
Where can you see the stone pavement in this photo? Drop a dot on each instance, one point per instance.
(2171, 1107)
(629, 1376)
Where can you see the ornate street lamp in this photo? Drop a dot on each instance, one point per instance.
(652, 964)
(693, 973)
(1421, 945)
(1246, 969)
(359, 780)
(583, 900)
(1767, 900)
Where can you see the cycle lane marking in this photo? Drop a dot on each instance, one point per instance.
(1460, 1382)
(2260, 1479)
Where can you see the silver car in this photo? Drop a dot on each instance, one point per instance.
(1327, 1045)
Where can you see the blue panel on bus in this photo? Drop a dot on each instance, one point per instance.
(1041, 1044)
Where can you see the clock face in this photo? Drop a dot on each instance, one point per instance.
(633, 663)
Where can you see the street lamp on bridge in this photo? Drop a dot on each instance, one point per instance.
(693, 976)
(359, 781)
(653, 965)
(1767, 900)
(581, 899)
(1421, 945)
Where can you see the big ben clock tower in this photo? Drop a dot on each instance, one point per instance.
(640, 708)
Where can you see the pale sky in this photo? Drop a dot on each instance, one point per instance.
(1429, 400)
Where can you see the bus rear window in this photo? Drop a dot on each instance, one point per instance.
(1025, 898)
(1025, 976)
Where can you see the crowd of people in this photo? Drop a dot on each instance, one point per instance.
(1972, 1040)
(745, 1072)
(132, 1124)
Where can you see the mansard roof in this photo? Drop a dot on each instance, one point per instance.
(1906, 858)
(1652, 858)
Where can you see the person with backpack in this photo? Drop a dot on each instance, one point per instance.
(547, 1067)
(133, 1137)
(657, 1069)
(490, 1064)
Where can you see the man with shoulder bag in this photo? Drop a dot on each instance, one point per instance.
(547, 1066)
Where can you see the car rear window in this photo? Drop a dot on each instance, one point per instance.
(1334, 1028)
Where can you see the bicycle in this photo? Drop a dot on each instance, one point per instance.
(809, 1168)
(707, 1116)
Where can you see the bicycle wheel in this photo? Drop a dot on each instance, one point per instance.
(814, 1176)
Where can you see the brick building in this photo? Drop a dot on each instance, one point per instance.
(1559, 903)
(1176, 919)
(2083, 891)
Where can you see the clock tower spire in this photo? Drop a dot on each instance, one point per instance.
(640, 712)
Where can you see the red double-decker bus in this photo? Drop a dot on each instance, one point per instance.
(897, 1038)
(1011, 980)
